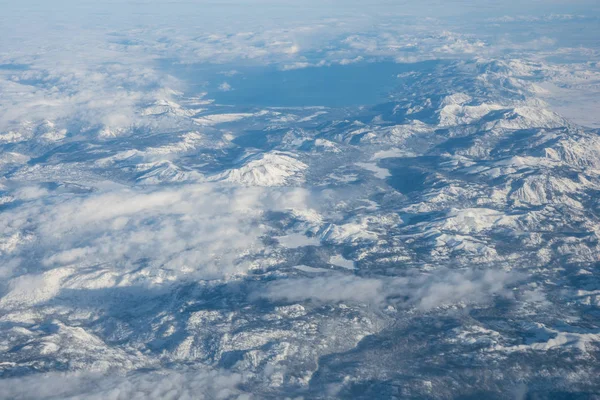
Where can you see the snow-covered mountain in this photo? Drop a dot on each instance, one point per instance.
(440, 242)
(265, 169)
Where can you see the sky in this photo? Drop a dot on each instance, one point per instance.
(227, 14)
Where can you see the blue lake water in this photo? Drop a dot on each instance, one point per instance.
(14, 67)
(330, 86)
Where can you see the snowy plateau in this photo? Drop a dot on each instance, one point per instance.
(331, 204)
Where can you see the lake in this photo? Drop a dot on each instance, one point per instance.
(337, 85)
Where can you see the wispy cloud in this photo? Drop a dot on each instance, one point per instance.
(142, 237)
(201, 384)
(425, 291)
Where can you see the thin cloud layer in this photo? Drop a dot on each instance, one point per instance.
(424, 292)
(135, 237)
(217, 385)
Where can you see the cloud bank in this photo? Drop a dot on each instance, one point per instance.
(424, 292)
(134, 237)
(214, 385)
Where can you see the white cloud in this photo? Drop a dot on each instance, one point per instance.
(225, 87)
(202, 231)
(214, 385)
(427, 291)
